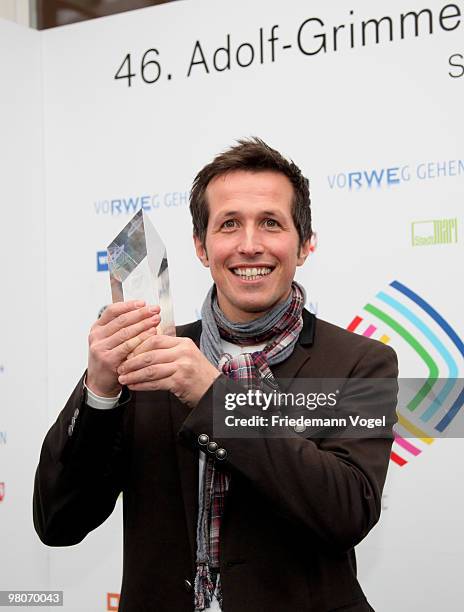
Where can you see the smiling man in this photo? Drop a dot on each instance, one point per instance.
(215, 521)
(251, 243)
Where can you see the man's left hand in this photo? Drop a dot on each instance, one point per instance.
(170, 364)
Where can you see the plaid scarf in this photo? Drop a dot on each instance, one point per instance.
(280, 329)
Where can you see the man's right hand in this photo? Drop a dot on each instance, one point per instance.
(119, 330)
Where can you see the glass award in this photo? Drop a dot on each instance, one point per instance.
(138, 267)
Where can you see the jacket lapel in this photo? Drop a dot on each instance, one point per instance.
(289, 369)
(286, 371)
(187, 460)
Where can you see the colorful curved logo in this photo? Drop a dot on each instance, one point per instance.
(401, 313)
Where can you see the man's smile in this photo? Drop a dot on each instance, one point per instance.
(251, 273)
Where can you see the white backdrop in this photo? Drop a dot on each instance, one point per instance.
(23, 347)
(386, 113)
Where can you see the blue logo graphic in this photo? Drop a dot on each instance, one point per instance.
(400, 311)
(102, 261)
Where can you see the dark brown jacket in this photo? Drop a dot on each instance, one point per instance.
(295, 509)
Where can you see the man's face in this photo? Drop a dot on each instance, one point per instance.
(252, 244)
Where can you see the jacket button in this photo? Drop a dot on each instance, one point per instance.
(212, 447)
(299, 428)
(187, 585)
(221, 453)
(70, 430)
(203, 439)
(76, 413)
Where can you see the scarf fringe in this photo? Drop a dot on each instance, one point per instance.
(204, 587)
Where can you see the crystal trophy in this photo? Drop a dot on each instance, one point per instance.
(138, 266)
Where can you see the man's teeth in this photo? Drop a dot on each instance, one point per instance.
(252, 273)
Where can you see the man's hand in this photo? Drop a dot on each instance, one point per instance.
(122, 327)
(169, 364)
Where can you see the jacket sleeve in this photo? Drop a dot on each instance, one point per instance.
(332, 485)
(81, 469)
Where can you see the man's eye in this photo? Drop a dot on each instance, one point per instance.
(230, 223)
(271, 223)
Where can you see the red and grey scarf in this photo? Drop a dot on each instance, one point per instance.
(279, 329)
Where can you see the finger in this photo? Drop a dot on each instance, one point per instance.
(142, 337)
(150, 344)
(127, 319)
(159, 341)
(120, 352)
(154, 385)
(131, 331)
(118, 308)
(147, 358)
(150, 373)
(143, 347)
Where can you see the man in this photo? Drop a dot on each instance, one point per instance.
(213, 521)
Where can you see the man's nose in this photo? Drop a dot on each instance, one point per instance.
(250, 242)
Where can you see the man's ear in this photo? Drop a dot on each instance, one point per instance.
(201, 251)
(303, 252)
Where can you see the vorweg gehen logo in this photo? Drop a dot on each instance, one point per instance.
(393, 176)
(131, 204)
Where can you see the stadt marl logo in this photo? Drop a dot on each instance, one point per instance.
(434, 231)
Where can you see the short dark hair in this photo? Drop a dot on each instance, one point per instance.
(254, 155)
